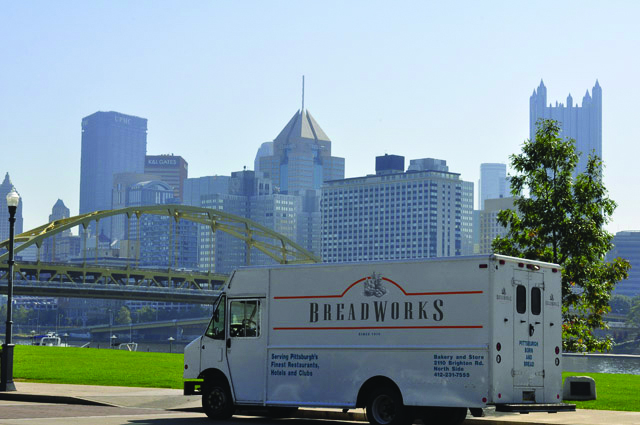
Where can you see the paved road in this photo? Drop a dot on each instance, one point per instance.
(55, 404)
(21, 413)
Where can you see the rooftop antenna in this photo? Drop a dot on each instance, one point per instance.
(302, 110)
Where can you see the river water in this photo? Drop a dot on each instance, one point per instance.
(601, 363)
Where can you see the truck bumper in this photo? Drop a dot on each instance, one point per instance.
(536, 407)
(192, 388)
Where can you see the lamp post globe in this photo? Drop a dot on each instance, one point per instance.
(6, 367)
(13, 199)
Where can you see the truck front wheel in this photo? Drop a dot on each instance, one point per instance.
(216, 401)
(385, 407)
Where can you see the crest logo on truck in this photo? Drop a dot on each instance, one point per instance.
(373, 286)
(502, 296)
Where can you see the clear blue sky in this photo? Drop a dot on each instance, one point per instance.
(448, 80)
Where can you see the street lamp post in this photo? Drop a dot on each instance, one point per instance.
(6, 380)
(110, 322)
(171, 339)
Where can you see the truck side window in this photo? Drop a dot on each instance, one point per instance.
(521, 299)
(536, 300)
(215, 329)
(245, 319)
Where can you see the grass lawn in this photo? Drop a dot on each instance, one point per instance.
(614, 392)
(91, 366)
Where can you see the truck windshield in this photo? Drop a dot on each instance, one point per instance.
(215, 329)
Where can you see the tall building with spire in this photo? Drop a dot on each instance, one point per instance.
(301, 158)
(299, 165)
(5, 188)
(582, 123)
(63, 246)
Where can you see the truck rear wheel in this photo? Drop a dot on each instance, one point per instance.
(385, 407)
(216, 401)
(443, 415)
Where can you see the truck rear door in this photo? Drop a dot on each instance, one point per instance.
(528, 368)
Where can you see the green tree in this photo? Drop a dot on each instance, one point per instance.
(146, 314)
(620, 304)
(20, 315)
(561, 221)
(634, 312)
(123, 317)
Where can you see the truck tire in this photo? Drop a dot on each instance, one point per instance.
(216, 401)
(385, 407)
(443, 415)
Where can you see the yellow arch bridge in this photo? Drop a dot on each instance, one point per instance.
(85, 278)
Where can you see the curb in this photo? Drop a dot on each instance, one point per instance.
(51, 399)
(303, 413)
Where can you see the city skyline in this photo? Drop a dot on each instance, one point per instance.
(436, 82)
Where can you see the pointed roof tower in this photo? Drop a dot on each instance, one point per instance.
(301, 126)
(7, 180)
(6, 187)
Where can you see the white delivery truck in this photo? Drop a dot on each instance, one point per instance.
(422, 339)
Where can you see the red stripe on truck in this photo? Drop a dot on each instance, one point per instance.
(409, 294)
(371, 327)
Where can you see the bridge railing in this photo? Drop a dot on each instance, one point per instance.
(118, 276)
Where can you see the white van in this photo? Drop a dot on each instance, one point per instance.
(422, 339)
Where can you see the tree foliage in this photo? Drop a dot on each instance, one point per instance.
(634, 312)
(146, 314)
(561, 221)
(123, 317)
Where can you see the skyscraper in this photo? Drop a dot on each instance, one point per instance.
(493, 183)
(266, 149)
(111, 143)
(246, 194)
(300, 163)
(171, 169)
(402, 215)
(58, 212)
(301, 157)
(64, 246)
(489, 228)
(626, 244)
(5, 188)
(582, 123)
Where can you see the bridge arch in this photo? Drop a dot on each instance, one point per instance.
(255, 236)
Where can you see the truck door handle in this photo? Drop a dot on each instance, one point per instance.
(228, 342)
(531, 330)
(523, 321)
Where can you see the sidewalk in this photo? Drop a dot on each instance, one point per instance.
(170, 399)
